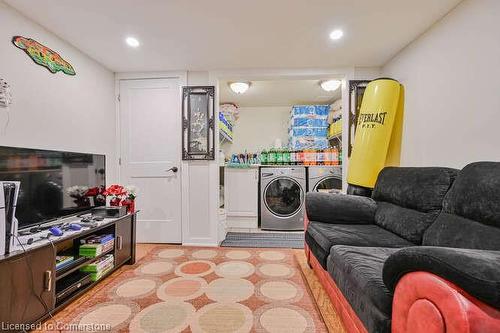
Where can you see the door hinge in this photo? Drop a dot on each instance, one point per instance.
(118, 97)
(119, 161)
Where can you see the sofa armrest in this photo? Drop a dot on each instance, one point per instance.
(424, 303)
(475, 271)
(340, 208)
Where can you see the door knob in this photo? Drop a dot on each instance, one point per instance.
(173, 169)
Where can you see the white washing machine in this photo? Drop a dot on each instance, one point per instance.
(282, 194)
(324, 178)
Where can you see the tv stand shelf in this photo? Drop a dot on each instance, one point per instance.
(79, 263)
(28, 278)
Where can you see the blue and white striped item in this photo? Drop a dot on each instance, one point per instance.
(310, 110)
(308, 131)
(309, 127)
(309, 122)
(310, 142)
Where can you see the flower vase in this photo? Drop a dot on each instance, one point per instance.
(130, 204)
(82, 201)
(115, 202)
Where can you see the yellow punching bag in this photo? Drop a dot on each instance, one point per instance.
(375, 146)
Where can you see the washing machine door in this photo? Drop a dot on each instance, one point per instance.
(283, 197)
(328, 184)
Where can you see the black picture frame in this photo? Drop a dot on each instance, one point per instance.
(356, 91)
(198, 123)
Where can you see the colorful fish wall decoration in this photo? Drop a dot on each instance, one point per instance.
(43, 56)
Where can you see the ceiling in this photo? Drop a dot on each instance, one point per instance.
(236, 34)
(278, 93)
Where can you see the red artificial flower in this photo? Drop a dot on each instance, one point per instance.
(92, 192)
(115, 190)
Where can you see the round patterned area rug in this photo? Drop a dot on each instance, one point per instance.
(212, 290)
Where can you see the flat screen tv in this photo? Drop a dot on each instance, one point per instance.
(54, 184)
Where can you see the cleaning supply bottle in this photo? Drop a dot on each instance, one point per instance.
(314, 157)
(263, 157)
(329, 156)
(271, 158)
(279, 156)
(320, 157)
(307, 156)
(301, 159)
(286, 156)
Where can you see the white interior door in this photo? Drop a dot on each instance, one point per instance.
(150, 130)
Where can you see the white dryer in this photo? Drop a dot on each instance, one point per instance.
(282, 194)
(323, 178)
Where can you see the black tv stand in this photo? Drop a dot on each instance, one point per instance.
(29, 279)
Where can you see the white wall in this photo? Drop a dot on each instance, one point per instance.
(452, 93)
(55, 111)
(257, 128)
(200, 187)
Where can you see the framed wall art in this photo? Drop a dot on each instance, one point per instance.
(198, 123)
(356, 91)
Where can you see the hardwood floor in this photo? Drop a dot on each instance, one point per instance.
(330, 316)
(141, 250)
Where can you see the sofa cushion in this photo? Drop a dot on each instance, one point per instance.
(340, 208)
(320, 237)
(357, 272)
(409, 199)
(418, 188)
(409, 224)
(471, 210)
(475, 271)
(476, 194)
(455, 231)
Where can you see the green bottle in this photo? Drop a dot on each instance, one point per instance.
(263, 157)
(271, 157)
(286, 156)
(279, 156)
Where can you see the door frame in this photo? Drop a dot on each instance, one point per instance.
(181, 76)
(216, 76)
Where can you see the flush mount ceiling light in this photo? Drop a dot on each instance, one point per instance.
(239, 87)
(330, 85)
(132, 42)
(336, 34)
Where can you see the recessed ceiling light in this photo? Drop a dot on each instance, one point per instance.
(132, 42)
(330, 85)
(239, 87)
(336, 34)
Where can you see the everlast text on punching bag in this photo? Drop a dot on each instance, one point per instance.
(378, 133)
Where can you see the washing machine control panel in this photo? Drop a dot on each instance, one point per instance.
(276, 172)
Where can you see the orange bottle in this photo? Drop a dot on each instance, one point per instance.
(327, 157)
(314, 157)
(306, 156)
(335, 157)
(299, 155)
